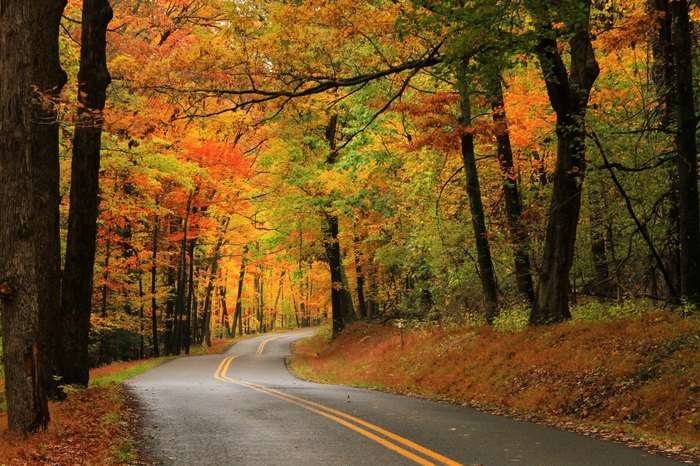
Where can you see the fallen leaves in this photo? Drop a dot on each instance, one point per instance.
(88, 428)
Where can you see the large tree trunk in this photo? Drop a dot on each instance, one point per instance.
(686, 150)
(76, 293)
(511, 193)
(49, 79)
(30, 77)
(568, 94)
(486, 272)
(662, 73)
(341, 301)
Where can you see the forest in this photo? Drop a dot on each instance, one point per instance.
(177, 170)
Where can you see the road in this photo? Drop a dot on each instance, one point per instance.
(245, 408)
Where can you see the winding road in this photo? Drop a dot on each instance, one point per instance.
(245, 408)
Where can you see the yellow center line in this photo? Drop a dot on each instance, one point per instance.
(265, 342)
(261, 347)
(341, 418)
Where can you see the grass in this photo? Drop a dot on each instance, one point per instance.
(119, 372)
(630, 374)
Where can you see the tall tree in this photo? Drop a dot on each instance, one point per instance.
(568, 92)
(76, 293)
(511, 191)
(476, 206)
(686, 149)
(341, 301)
(238, 312)
(30, 78)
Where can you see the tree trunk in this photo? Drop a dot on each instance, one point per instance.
(105, 274)
(30, 77)
(568, 94)
(225, 326)
(154, 270)
(182, 279)
(190, 298)
(280, 287)
(602, 283)
(686, 150)
(341, 301)
(372, 305)
(362, 304)
(662, 73)
(511, 193)
(206, 312)
(77, 286)
(237, 317)
(486, 272)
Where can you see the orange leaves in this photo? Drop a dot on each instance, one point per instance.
(90, 427)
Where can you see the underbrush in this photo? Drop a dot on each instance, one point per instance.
(628, 371)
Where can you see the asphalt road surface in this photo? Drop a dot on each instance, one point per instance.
(245, 408)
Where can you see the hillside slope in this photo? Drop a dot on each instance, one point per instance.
(633, 379)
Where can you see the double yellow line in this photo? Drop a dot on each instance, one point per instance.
(263, 343)
(382, 436)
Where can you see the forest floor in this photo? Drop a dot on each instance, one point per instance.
(635, 379)
(92, 426)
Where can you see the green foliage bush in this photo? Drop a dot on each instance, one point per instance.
(597, 310)
(514, 318)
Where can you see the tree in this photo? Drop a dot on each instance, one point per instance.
(341, 301)
(568, 92)
(77, 286)
(686, 148)
(31, 78)
(486, 271)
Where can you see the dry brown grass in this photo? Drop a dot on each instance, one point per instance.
(634, 377)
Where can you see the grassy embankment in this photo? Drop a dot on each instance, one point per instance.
(90, 427)
(634, 378)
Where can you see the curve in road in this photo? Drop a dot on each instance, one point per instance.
(244, 408)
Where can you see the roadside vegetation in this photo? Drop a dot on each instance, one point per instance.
(625, 372)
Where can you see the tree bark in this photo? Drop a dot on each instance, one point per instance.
(225, 326)
(105, 275)
(602, 283)
(77, 286)
(686, 150)
(154, 271)
(49, 80)
(237, 317)
(361, 302)
(206, 312)
(190, 299)
(568, 93)
(341, 301)
(30, 79)
(486, 271)
(182, 279)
